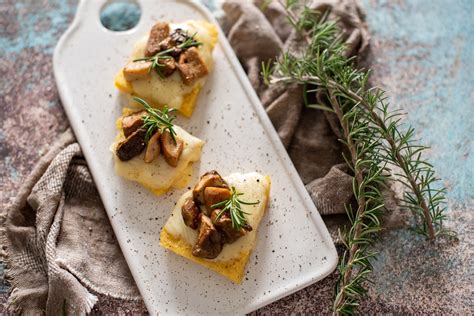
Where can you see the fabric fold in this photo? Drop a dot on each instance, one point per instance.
(310, 135)
(50, 232)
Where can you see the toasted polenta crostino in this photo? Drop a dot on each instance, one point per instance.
(181, 73)
(158, 175)
(232, 256)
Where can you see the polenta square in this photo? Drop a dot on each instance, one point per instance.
(215, 224)
(169, 65)
(152, 151)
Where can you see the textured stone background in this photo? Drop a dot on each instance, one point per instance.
(422, 54)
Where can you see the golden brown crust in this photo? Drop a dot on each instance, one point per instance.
(233, 269)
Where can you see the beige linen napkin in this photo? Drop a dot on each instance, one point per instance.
(58, 240)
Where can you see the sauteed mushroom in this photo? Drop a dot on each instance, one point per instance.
(171, 150)
(209, 243)
(132, 146)
(153, 147)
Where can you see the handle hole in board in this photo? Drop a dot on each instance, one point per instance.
(120, 15)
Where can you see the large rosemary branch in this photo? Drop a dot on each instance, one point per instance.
(375, 140)
(426, 201)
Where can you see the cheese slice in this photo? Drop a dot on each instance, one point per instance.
(231, 262)
(171, 91)
(158, 176)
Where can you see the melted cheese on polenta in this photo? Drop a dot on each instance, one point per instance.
(158, 176)
(255, 187)
(171, 91)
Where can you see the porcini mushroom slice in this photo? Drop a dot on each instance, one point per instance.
(153, 147)
(214, 195)
(132, 122)
(132, 146)
(158, 32)
(224, 225)
(168, 65)
(191, 66)
(191, 213)
(136, 70)
(171, 150)
(172, 42)
(209, 179)
(209, 242)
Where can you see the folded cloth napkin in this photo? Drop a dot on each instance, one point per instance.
(59, 244)
(260, 32)
(59, 239)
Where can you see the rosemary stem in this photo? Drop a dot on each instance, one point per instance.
(404, 166)
(361, 202)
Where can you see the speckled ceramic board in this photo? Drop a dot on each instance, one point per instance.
(294, 248)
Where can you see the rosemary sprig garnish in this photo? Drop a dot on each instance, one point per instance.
(157, 120)
(232, 205)
(377, 144)
(165, 54)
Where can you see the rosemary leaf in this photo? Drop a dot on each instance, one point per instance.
(233, 206)
(165, 54)
(156, 119)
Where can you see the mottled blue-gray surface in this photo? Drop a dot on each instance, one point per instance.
(427, 65)
(422, 54)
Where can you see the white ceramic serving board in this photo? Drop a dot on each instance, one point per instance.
(294, 248)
